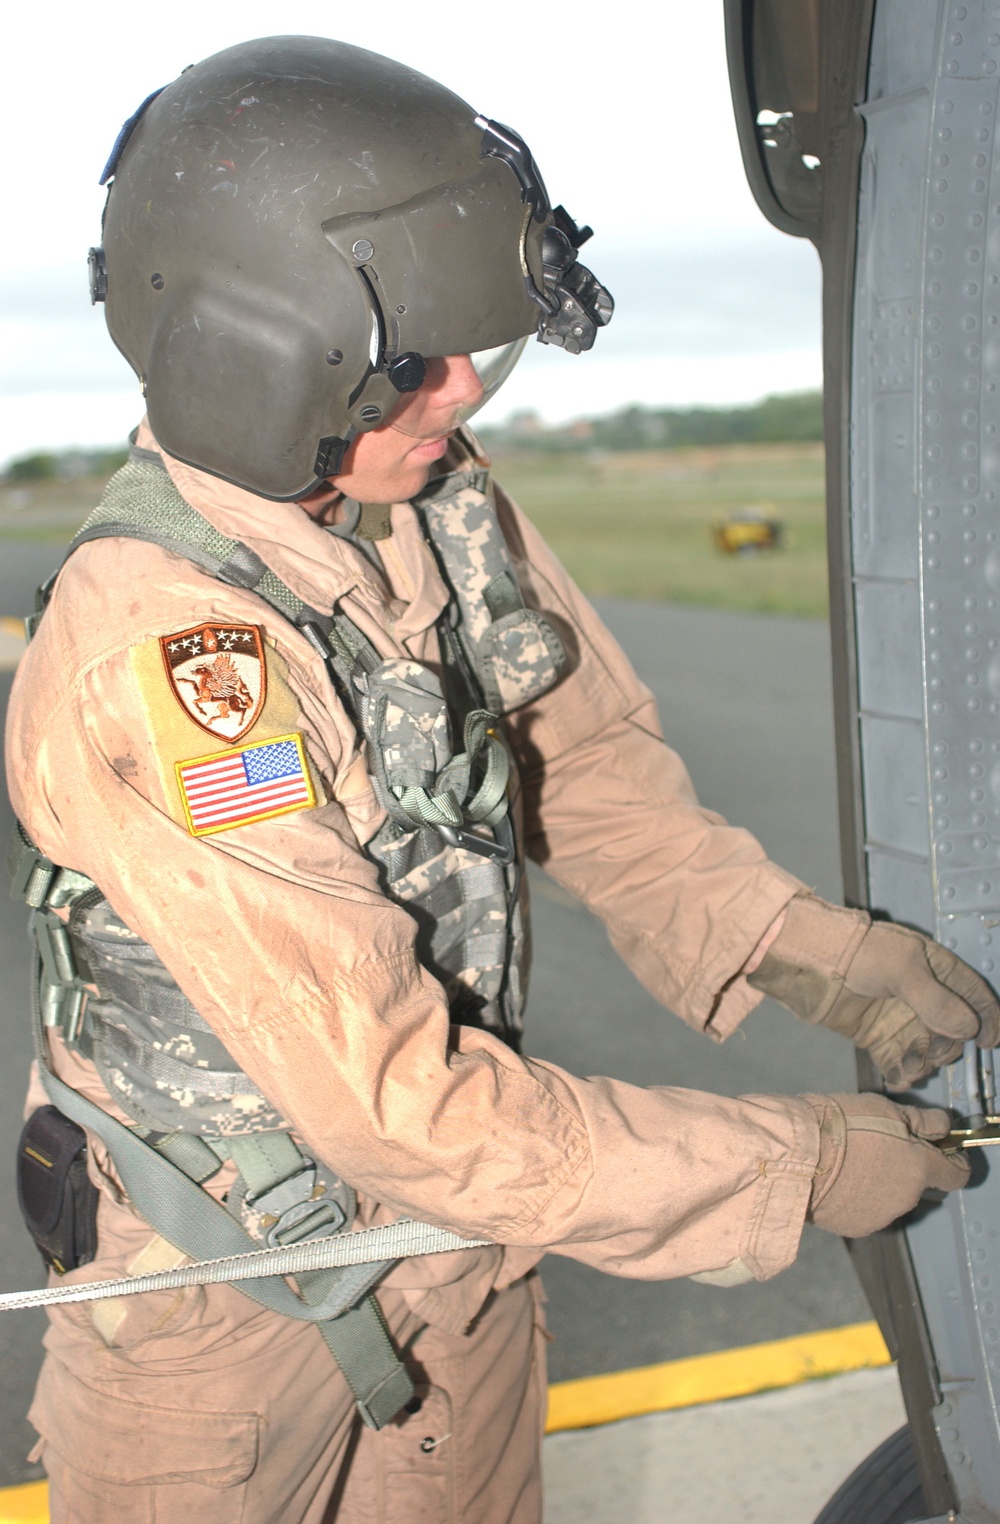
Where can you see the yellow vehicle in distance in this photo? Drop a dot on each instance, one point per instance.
(746, 533)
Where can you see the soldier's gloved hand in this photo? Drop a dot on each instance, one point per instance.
(875, 1162)
(906, 999)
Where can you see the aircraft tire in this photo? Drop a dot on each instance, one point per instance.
(885, 1488)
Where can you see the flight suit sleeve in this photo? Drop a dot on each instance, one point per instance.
(278, 933)
(610, 812)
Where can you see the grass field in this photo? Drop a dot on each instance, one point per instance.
(47, 510)
(639, 525)
(628, 525)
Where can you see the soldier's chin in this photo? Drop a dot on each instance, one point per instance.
(428, 450)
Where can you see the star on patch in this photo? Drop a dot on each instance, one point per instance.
(218, 676)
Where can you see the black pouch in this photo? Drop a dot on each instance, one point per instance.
(58, 1200)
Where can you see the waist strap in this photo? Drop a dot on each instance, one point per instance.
(395, 1240)
(162, 1180)
(188, 1217)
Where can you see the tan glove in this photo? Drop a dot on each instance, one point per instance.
(906, 999)
(874, 1162)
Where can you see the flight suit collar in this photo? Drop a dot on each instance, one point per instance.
(406, 598)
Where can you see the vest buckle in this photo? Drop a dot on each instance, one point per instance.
(297, 1209)
(500, 851)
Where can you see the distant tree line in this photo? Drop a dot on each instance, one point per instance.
(775, 420)
(51, 465)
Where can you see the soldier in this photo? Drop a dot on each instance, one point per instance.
(304, 698)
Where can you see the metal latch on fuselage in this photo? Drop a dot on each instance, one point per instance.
(987, 1133)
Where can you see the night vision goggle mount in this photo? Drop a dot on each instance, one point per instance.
(574, 303)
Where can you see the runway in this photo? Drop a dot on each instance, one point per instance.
(746, 700)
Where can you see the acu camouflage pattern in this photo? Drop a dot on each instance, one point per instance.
(514, 651)
(157, 1056)
(417, 775)
(471, 925)
(405, 718)
(461, 902)
(165, 1067)
(470, 913)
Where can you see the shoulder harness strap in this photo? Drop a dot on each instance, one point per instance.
(513, 650)
(141, 502)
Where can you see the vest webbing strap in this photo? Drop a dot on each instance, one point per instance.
(395, 1240)
(192, 1220)
(145, 505)
(142, 503)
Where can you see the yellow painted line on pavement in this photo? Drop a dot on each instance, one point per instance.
(650, 1389)
(25, 1505)
(712, 1378)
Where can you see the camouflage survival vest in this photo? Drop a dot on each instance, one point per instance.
(446, 851)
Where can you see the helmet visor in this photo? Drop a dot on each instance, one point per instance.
(492, 366)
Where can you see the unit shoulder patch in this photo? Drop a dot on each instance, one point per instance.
(218, 675)
(245, 688)
(243, 785)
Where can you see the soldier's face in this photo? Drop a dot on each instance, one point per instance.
(393, 462)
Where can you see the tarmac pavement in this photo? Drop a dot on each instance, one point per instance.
(746, 700)
(772, 1459)
(776, 1458)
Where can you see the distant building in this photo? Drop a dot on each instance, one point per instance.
(526, 423)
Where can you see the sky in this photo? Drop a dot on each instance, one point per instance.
(628, 118)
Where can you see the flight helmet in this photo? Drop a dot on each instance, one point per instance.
(293, 226)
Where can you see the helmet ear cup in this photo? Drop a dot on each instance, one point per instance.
(247, 341)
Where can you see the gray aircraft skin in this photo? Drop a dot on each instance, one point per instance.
(869, 127)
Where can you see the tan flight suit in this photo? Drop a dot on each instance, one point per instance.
(201, 1405)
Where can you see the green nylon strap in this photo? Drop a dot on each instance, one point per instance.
(142, 503)
(37, 880)
(359, 1342)
(358, 1339)
(189, 1153)
(188, 1217)
(265, 1159)
(489, 803)
(502, 596)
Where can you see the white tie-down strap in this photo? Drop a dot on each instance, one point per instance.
(397, 1240)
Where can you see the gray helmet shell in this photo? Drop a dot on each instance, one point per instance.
(292, 225)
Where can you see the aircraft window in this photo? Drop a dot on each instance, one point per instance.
(774, 52)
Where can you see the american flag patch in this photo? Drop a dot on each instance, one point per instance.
(232, 788)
